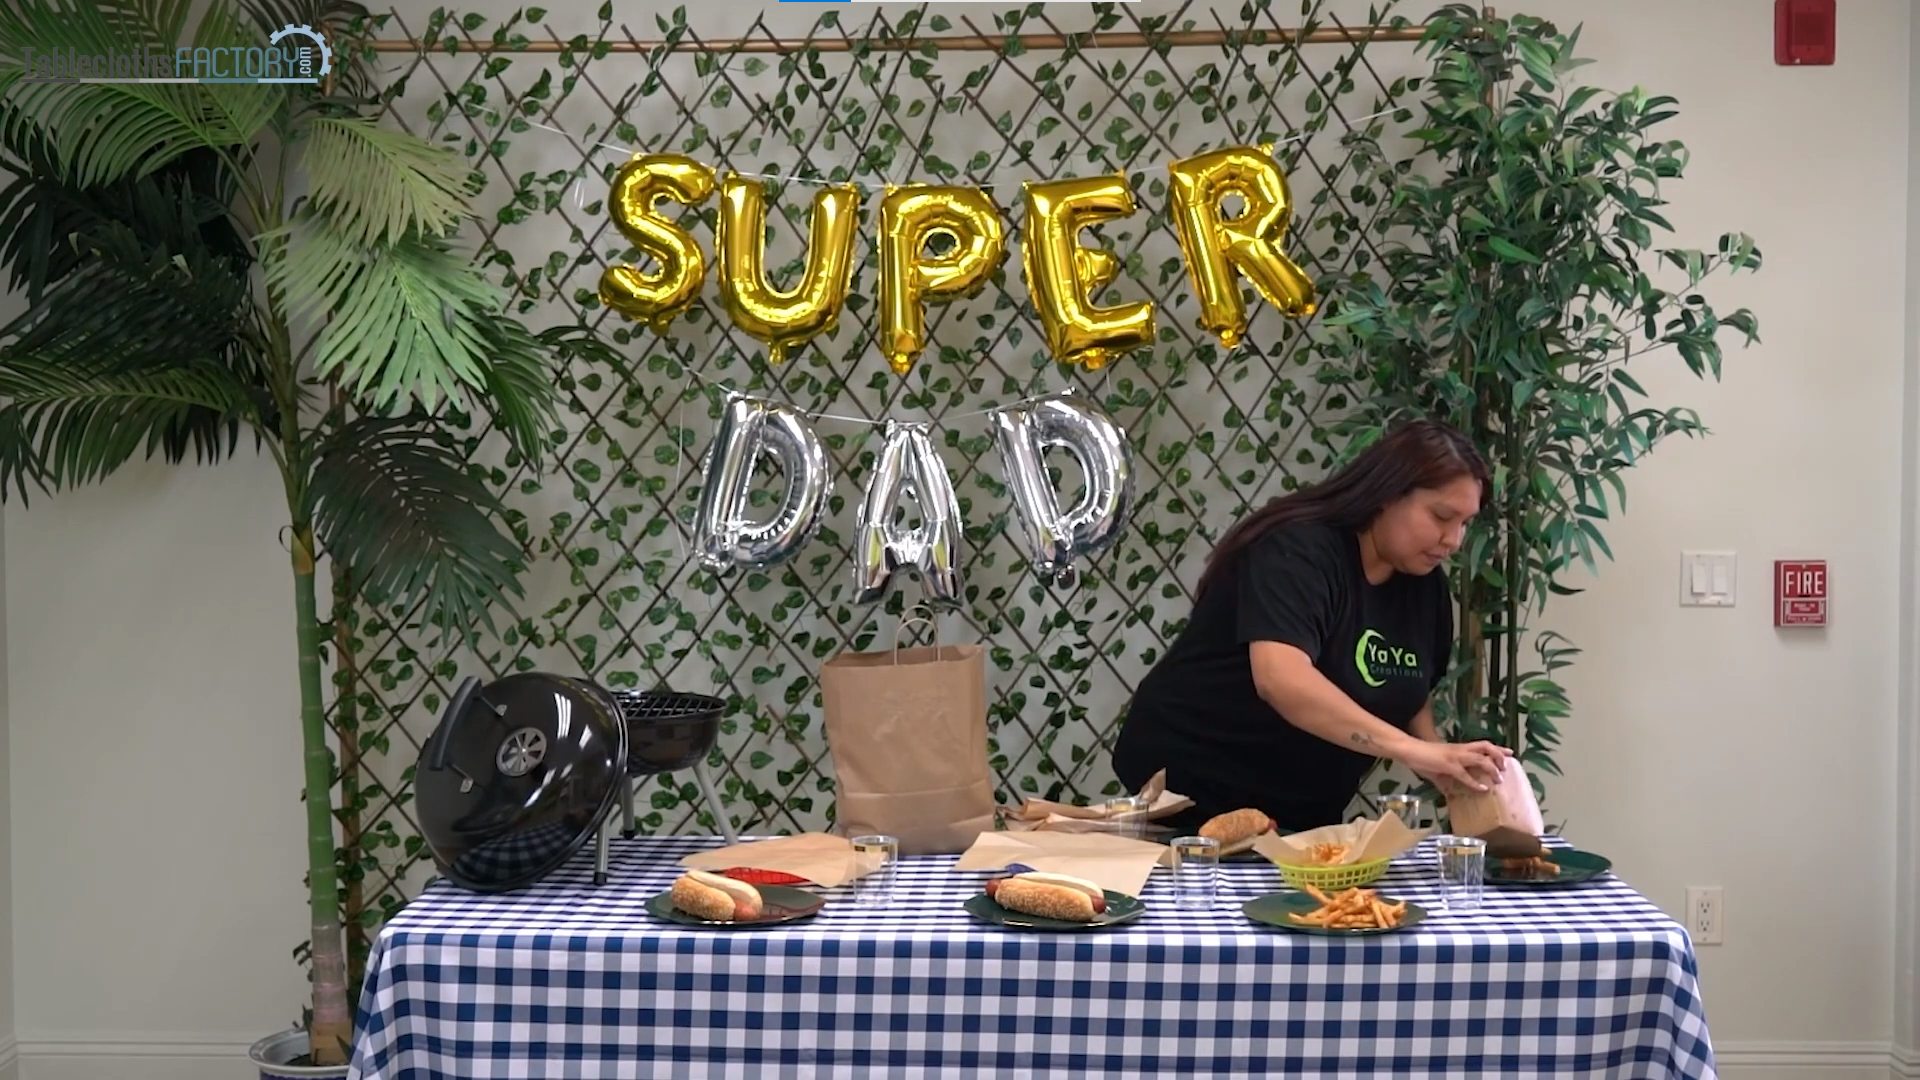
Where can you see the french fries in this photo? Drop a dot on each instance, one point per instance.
(1536, 868)
(1326, 854)
(1354, 909)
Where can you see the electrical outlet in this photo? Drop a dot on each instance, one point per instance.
(1703, 914)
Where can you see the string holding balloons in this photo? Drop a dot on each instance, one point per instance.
(908, 481)
(939, 243)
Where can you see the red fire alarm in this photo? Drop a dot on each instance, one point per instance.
(1803, 32)
(1800, 592)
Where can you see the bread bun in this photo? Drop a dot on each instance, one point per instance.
(1050, 896)
(1236, 831)
(715, 898)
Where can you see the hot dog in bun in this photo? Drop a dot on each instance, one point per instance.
(1237, 831)
(715, 898)
(1050, 896)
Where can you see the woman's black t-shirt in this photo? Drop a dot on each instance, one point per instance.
(1197, 713)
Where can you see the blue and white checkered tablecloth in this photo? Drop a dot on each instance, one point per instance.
(564, 980)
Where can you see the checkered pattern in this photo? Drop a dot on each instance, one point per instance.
(566, 980)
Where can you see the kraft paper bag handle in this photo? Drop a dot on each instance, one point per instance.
(904, 623)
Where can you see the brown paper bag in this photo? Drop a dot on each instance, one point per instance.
(1042, 814)
(907, 731)
(1506, 816)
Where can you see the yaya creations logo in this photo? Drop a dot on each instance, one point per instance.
(1377, 661)
(294, 54)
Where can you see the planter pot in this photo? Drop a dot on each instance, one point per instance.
(271, 1054)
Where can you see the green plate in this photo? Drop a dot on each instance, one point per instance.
(1273, 909)
(779, 904)
(1575, 866)
(1121, 908)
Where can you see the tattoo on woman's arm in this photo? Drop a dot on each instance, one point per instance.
(1361, 738)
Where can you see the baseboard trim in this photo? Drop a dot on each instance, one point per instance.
(1801, 1060)
(1806, 1060)
(116, 1044)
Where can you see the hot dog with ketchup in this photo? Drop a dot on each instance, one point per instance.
(715, 898)
(1050, 896)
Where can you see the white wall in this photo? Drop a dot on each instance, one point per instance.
(1906, 939)
(150, 662)
(1707, 748)
(157, 754)
(9, 1065)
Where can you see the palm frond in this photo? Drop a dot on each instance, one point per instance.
(520, 392)
(61, 427)
(377, 184)
(244, 114)
(392, 501)
(128, 306)
(50, 226)
(405, 321)
(105, 131)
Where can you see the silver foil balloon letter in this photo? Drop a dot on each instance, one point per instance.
(907, 462)
(1056, 537)
(750, 429)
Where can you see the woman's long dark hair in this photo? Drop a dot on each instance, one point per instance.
(1417, 454)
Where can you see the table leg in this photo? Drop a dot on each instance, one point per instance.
(714, 806)
(600, 855)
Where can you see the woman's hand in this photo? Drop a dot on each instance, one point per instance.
(1475, 765)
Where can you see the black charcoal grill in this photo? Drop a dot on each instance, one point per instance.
(522, 772)
(666, 732)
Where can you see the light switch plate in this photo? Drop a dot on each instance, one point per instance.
(1708, 578)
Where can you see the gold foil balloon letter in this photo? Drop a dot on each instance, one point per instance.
(910, 275)
(656, 298)
(1062, 276)
(1216, 246)
(784, 320)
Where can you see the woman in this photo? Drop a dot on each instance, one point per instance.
(1318, 634)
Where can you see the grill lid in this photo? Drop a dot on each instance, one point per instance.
(517, 777)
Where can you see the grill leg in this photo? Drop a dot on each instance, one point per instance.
(714, 807)
(600, 855)
(626, 808)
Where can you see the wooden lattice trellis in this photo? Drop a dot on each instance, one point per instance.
(545, 117)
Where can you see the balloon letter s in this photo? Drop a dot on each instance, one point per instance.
(638, 187)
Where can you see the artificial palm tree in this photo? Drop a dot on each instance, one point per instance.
(182, 289)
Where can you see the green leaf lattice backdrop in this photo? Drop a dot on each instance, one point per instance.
(612, 589)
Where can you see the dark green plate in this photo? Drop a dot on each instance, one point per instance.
(1273, 909)
(1120, 908)
(779, 904)
(1575, 866)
